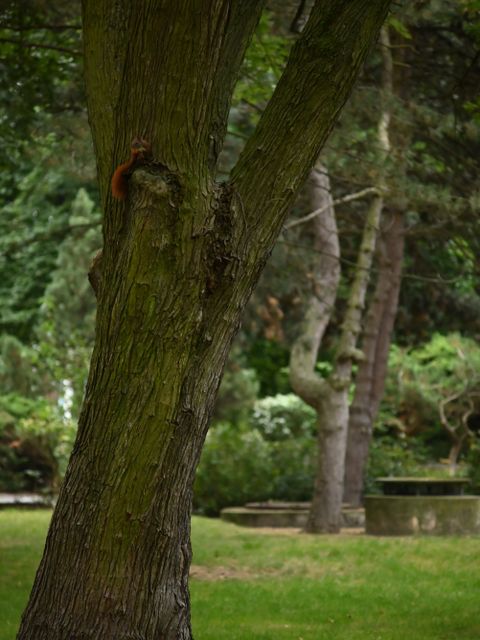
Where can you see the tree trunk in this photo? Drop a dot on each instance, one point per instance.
(330, 397)
(180, 259)
(332, 402)
(372, 370)
(325, 280)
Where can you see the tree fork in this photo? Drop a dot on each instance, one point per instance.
(180, 259)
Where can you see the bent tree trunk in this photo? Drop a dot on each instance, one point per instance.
(372, 370)
(326, 277)
(330, 396)
(180, 259)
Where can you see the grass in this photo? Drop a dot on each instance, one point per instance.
(251, 585)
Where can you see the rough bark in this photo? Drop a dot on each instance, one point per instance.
(180, 259)
(372, 370)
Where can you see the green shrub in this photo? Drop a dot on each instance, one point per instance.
(439, 377)
(293, 463)
(235, 468)
(283, 417)
(393, 456)
(473, 461)
(270, 360)
(237, 394)
(35, 444)
(239, 464)
(57, 432)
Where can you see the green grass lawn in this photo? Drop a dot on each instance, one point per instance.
(249, 585)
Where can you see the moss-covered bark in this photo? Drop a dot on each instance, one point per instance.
(180, 259)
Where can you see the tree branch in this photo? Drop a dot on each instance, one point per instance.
(317, 80)
(37, 45)
(300, 18)
(406, 275)
(59, 232)
(347, 351)
(38, 27)
(348, 198)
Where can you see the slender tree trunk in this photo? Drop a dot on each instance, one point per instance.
(372, 370)
(454, 453)
(332, 402)
(180, 259)
(458, 432)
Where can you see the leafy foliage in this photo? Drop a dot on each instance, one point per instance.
(235, 467)
(238, 391)
(395, 456)
(40, 78)
(270, 457)
(35, 444)
(67, 315)
(436, 382)
(30, 228)
(35, 436)
(270, 360)
(284, 417)
(262, 67)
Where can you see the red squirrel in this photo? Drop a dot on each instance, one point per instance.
(140, 151)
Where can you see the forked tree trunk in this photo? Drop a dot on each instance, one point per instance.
(458, 430)
(180, 259)
(330, 396)
(372, 370)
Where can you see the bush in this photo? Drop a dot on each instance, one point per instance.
(390, 456)
(473, 461)
(270, 360)
(237, 394)
(293, 463)
(282, 417)
(273, 457)
(235, 468)
(35, 444)
(441, 375)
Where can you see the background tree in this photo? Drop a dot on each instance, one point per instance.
(329, 395)
(413, 98)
